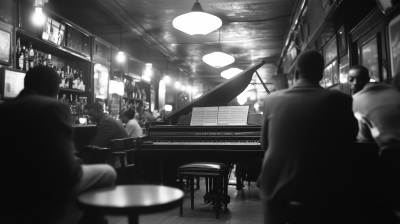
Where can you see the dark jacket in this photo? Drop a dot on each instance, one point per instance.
(303, 129)
(38, 165)
(108, 129)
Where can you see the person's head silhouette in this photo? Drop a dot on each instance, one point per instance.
(310, 66)
(43, 80)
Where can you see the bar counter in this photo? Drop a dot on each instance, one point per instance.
(83, 134)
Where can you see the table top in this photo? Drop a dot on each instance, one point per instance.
(126, 199)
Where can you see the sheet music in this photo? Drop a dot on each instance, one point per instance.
(198, 116)
(211, 116)
(238, 115)
(227, 115)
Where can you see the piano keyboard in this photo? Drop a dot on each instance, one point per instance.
(256, 142)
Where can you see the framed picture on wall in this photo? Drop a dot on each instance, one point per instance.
(5, 47)
(342, 42)
(384, 5)
(394, 44)
(369, 58)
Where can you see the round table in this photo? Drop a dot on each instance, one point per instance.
(131, 200)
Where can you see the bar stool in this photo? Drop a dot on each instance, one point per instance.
(217, 171)
(130, 200)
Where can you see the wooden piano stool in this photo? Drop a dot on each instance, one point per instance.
(217, 171)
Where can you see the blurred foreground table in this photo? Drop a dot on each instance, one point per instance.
(130, 200)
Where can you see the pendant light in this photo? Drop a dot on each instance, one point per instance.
(197, 21)
(230, 73)
(218, 59)
(38, 17)
(121, 55)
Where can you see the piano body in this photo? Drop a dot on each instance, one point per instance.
(174, 142)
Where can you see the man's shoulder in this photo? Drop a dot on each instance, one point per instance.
(34, 102)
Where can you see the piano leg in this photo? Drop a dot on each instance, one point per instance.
(239, 174)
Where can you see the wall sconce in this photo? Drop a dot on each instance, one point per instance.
(177, 84)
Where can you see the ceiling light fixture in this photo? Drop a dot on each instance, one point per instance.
(121, 55)
(38, 17)
(230, 73)
(197, 21)
(218, 59)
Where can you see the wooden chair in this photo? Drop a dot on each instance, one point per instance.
(134, 157)
(126, 172)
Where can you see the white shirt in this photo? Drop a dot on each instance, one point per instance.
(133, 129)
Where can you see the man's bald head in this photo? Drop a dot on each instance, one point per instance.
(310, 66)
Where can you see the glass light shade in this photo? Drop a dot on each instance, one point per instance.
(197, 23)
(166, 79)
(168, 107)
(218, 59)
(256, 106)
(112, 88)
(188, 88)
(146, 77)
(121, 57)
(82, 120)
(38, 17)
(120, 88)
(177, 84)
(241, 100)
(183, 88)
(230, 73)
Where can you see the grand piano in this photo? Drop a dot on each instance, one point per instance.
(174, 142)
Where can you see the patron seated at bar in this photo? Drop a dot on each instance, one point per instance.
(107, 129)
(40, 177)
(132, 128)
(304, 150)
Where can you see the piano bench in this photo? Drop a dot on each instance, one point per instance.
(219, 172)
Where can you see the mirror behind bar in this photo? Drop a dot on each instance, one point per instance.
(221, 95)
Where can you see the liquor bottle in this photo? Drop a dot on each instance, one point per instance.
(31, 56)
(66, 77)
(64, 98)
(70, 77)
(48, 61)
(21, 58)
(82, 85)
(18, 53)
(35, 60)
(134, 89)
(44, 62)
(139, 92)
(26, 60)
(39, 58)
(143, 95)
(61, 74)
(75, 79)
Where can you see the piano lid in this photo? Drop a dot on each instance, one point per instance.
(221, 95)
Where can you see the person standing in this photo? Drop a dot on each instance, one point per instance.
(303, 148)
(40, 175)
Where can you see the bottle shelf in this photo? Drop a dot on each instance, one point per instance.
(72, 90)
(55, 50)
(130, 98)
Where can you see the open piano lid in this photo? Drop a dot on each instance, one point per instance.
(221, 95)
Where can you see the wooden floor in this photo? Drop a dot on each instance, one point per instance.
(245, 207)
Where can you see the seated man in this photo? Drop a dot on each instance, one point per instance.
(132, 128)
(304, 149)
(107, 129)
(40, 177)
(377, 108)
